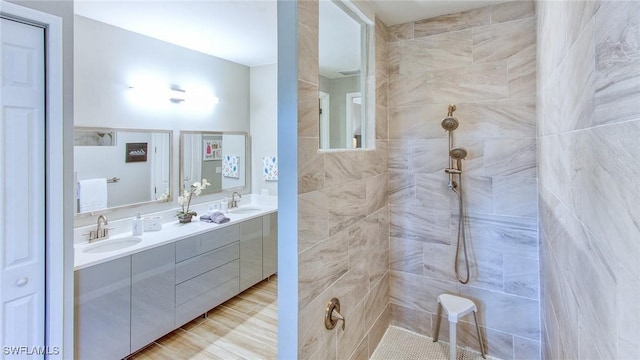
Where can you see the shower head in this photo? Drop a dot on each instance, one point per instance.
(450, 123)
(458, 153)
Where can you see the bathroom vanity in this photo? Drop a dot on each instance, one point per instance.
(126, 299)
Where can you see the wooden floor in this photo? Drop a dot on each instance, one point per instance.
(245, 327)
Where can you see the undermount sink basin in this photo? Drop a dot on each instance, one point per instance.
(111, 245)
(245, 210)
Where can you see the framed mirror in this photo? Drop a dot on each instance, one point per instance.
(219, 157)
(116, 168)
(345, 80)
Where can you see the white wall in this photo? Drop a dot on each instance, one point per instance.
(264, 124)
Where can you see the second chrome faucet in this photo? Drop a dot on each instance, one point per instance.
(234, 202)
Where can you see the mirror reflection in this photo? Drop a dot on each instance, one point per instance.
(120, 167)
(219, 157)
(342, 77)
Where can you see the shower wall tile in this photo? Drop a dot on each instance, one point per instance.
(359, 239)
(617, 62)
(339, 168)
(442, 51)
(515, 196)
(377, 331)
(507, 313)
(401, 32)
(406, 90)
(408, 318)
(308, 41)
(521, 76)
(406, 255)
(418, 292)
(504, 41)
(452, 22)
(506, 234)
(376, 192)
(377, 301)
(402, 189)
(514, 10)
(432, 191)
(347, 205)
(308, 109)
(479, 198)
(399, 155)
(438, 260)
(350, 287)
(521, 276)
(382, 121)
(497, 344)
(310, 165)
(348, 340)
(514, 118)
(505, 157)
(324, 263)
(313, 219)
(428, 156)
(419, 224)
(362, 351)
(478, 82)
(313, 337)
(525, 349)
(417, 122)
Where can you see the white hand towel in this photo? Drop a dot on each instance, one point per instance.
(92, 194)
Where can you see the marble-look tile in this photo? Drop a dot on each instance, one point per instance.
(308, 108)
(313, 337)
(428, 156)
(442, 51)
(401, 32)
(353, 334)
(398, 155)
(382, 122)
(452, 22)
(432, 191)
(507, 313)
(498, 119)
(375, 161)
(313, 219)
(525, 349)
(504, 41)
(417, 321)
(382, 37)
(485, 265)
(551, 20)
(380, 82)
(402, 189)
(513, 10)
(417, 292)
(341, 167)
(376, 301)
(379, 253)
(417, 122)
(420, 224)
(362, 351)
(438, 260)
(515, 196)
(320, 266)
(407, 90)
(351, 288)
(406, 256)
(477, 194)
(510, 157)
(578, 14)
(310, 165)
(617, 71)
(522, 77)
(347, 204)
(376, 332)
(505, 234)
(478, 82)
(628, 313)
(376, 193)
(521, 276)
(473, 164)
(308, 41)
(394, 51)
(359, 238)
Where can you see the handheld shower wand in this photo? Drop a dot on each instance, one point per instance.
(450, 123)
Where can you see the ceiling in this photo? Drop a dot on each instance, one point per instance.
(242, 31)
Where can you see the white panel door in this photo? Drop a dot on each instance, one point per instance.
(22, 190)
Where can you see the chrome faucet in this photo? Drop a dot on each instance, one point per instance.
(234, 202)
(101, 231)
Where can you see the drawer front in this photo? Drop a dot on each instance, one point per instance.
(201, 284)
(200, 264)
(203, 303)
(208, 241)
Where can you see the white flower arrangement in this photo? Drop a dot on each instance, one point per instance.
(185, 199)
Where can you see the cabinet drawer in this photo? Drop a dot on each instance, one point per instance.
(201, 284)
(203, 303)
(208, 241)
(208, 261)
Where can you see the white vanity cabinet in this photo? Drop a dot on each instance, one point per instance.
(269, 245)
(207, 272)
(102, 306)
(152, 295)
(250, 252)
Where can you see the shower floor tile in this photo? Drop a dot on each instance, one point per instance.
(399, 344)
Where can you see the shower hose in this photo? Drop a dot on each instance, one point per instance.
(462, 238)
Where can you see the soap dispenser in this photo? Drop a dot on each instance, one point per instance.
(138, 226)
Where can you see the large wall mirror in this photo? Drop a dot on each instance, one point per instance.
(116, 168)
(219, 157)
(345, 62)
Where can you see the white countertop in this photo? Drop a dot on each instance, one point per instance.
(171, 231)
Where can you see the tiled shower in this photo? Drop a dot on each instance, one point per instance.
(549, 111)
